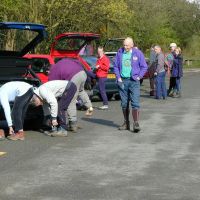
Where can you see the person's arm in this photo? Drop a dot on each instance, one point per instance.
(6, 107)
(143, 65)
(116, 67)
(160, 63)
(49, 98)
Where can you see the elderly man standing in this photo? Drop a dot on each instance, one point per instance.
(159, 74)
(170, 59)
(130, 66)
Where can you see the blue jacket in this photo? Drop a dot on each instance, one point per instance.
(138, 63)
(177, 67)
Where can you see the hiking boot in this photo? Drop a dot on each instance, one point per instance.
(49, 132)
(89, 111)
(152, 93)
(17, 136)
(104, 107)
(136, 127)
(73, 126)
(176, 95)
(2, 134)
(124, 126)
(171, 94)
(61, 132)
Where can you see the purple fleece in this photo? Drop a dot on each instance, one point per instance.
(138, 63)
(65, 69)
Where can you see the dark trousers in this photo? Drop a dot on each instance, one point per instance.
(64, 102)
(102, 90)
(172, 84)
(160, 85)
(19, 109)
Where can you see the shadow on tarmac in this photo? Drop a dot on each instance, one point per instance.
(100, 121)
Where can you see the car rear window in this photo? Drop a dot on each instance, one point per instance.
(82, 45)
(69, 44)
(15, 39)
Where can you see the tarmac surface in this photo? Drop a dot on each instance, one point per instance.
(99, 162)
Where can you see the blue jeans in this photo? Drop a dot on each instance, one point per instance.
(161, 90)
(178, 84)
(129, 90)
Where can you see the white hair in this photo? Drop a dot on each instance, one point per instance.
(129, 40)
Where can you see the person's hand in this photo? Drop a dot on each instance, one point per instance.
(119, 80)
(54, 122)
(138, 78)
(11, 130)
(155, 73)
(97, 66)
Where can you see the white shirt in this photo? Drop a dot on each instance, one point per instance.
(8, 92)
(51, 90)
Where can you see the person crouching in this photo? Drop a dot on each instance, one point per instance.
(20, 94)
(57, 95)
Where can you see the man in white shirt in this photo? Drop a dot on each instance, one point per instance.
(58, 95)
(20, 93)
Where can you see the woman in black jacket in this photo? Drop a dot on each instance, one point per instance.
(177, 72)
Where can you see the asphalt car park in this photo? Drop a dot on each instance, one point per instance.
(100, 162)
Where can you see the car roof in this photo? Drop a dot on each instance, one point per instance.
(77, 34)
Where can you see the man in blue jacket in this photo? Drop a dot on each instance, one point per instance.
(130, 66)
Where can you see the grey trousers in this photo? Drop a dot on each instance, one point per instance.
(79, 80)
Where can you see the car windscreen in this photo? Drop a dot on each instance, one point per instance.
(15, 39)
(40, 65)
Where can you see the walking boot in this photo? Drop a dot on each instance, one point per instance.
(171, 93)
(152, 93)
(176, 95)
(73, 126)
(17, 136)
(136, 126)
(61, 132)
(126, 124)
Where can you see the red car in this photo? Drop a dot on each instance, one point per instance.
(40, 65)
(71, 45)
(82, 46)
(74, 45)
